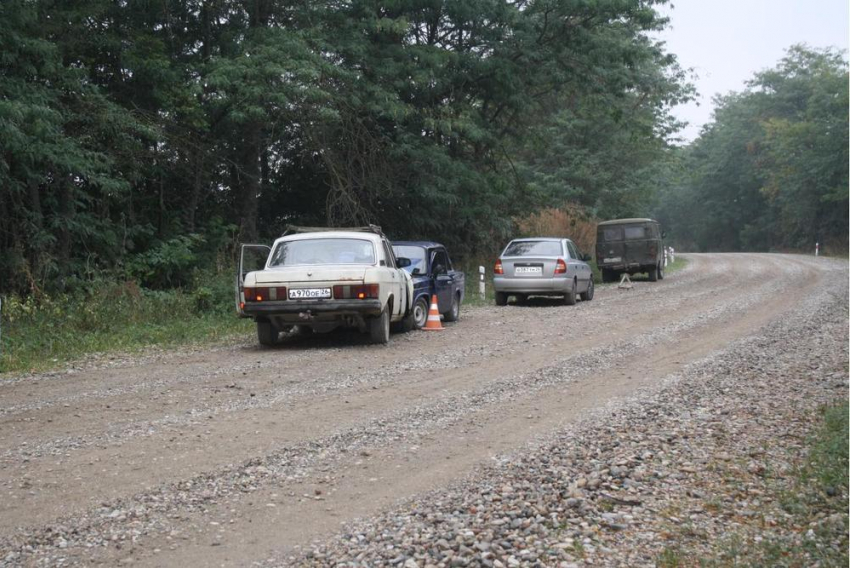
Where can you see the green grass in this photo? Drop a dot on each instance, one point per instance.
(828, 460)
(673, 267)
(111, 318)
(816, 492)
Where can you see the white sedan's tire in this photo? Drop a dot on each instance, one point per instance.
(379, 328)
(267, 333)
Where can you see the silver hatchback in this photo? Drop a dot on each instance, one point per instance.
(542, 267)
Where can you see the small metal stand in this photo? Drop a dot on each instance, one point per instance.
(625, 282)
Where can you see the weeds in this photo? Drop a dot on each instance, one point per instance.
(114, 317)
(816, 498)
(669, 558)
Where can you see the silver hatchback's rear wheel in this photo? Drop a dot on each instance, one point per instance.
(570, 296)
(587, 295)
(501, 299)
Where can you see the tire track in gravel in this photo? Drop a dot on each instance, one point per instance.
(537, 403)
(186, 449)
(104, 383)
(770, 287)
(107, 416)
(686, 405)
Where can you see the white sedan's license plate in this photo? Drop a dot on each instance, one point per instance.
(613, 259)
(528, 270)
(309, 293)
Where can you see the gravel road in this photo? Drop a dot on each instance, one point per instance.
(539, 434)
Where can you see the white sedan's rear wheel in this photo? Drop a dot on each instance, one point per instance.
(267, 333)
(379, 328)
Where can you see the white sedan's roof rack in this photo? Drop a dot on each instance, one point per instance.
(294, 230)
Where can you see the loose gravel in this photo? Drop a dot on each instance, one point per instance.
(691, 460)
(608, 490)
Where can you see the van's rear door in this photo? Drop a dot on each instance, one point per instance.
(610, 247)
(251, 258)
(640, 248)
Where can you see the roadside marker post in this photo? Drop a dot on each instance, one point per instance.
(481, 282)
(817, 249)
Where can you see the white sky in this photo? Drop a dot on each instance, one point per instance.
(726, 41)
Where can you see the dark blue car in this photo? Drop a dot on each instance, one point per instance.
(432, 272)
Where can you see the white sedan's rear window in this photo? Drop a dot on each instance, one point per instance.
(323, 251)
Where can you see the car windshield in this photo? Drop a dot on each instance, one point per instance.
(612, 234)
(635, 232)
(416, 256)
(628, 232)
(323, 251)
(534, 248)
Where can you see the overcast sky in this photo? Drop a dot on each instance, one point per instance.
(727, 41)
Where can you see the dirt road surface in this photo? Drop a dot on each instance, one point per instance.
(242, 455)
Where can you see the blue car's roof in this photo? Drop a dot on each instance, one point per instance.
(426, 244)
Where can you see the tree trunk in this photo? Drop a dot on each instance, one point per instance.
(66, 216)
(197, 158)
(250, 184)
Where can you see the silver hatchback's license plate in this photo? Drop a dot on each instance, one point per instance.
(528, 270)
(309, 293)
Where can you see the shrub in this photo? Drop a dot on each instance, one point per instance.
(568, 221)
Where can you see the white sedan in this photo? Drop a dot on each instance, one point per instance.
(325, 278)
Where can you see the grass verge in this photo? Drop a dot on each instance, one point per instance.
(112, 318)
(815, 501)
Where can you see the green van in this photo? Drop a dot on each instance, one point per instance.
(629, 246)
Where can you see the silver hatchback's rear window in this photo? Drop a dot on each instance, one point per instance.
(534, 248)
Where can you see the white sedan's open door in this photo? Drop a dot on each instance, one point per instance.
(251, 257)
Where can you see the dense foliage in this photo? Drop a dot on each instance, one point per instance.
(143, 140)
(146, 138)
(771, 171)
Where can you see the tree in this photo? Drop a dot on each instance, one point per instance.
(770, 172)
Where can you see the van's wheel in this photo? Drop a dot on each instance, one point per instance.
(267, 333)
(379, 328)
(454, 313)
(570, 297)
(653, 274)
(661, 271)
(587, 295)
(608, 275)
(501, 299)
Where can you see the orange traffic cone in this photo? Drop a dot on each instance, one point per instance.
(433, 323)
